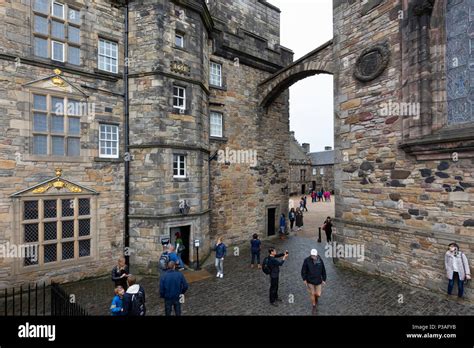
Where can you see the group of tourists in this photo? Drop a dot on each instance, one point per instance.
(320, 196)
(129, 299)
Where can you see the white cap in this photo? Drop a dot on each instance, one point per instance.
(314, 252)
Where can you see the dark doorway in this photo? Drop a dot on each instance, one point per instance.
(303, 189)
(314, 185)
(185, 232)
(271, 221)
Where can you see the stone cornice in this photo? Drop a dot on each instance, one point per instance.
(167, 216)
(172, 76)
(170, 146)
(200, 7)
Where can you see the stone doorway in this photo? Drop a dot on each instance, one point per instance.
(271, 214)
(185, 232)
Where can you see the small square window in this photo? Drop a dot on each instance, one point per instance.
(108, 53)
(41, 47)
(41, 6)
(179, 97)
(216, 124)
(108, 141)
(179, 166)
(179, 40)
(74, 55)
(215, 74)
(41, 25)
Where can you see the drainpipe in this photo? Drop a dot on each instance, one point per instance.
(126, 241)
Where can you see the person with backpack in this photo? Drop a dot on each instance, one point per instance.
(167, 256)
(172, 286)
(457, 267)
(221, 251)
(116, 308)
(134, 298)
(313, 273)
(120, 273)
(271, 266)
(255, 247)
(282, 226)
(292, 218)
(327, 227)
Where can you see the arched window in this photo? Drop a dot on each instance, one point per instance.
(460, 61)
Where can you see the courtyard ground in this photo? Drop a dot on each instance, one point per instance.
(244, 291)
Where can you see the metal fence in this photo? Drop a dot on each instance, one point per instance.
(38, 300)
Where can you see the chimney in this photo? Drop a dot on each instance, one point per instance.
(292, 134)
(327, 148)
(305, 147)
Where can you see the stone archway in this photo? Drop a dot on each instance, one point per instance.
(318, 61)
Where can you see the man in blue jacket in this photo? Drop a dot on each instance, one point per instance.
(221, 251)
(172, 286)
(313, 273)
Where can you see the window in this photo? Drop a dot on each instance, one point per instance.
(216, 124)
(303, 174)
(179, 166)
(215, 77)
(108, 56)
(179, 97)
(56, 31)
(314, 171)
(60, 227)
(459, 55)
(109, 141)
(321, 170)
(179, 40)
(56, 128)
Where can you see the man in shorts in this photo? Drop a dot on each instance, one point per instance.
(313, 273)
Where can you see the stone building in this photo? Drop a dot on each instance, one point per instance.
(403, 132)
(322, 169)
(300, 181)
(164, 123)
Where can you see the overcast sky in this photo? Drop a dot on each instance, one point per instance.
(305, 25)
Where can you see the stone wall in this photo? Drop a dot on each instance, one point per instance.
(405, 209)
(21, 75)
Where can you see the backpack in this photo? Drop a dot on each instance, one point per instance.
(265, 266)
(138, 304)
(164, 259)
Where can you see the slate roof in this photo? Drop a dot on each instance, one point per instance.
(322, 158)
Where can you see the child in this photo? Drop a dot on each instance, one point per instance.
(116, 308)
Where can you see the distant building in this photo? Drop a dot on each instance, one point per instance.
(322, 169)
(300, 181)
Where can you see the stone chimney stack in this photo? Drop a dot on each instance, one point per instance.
(305, 146)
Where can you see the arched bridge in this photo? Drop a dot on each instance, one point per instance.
(318, 61)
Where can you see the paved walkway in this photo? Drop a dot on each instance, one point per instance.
(244, 291)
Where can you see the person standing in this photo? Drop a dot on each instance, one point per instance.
(327, 227)
(457, 267)
(120, 273)
(179, 247)
(271, 266)
(320, 196)
(299, 219)
(282, 226)
(255, 247)
(304, 203)
(221, 251)
(292, 218)
(313, 273)
(116, 308)
(172, 286)
(134, 298)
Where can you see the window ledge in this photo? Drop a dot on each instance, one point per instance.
(38, 158)
(442, 145)
(218, 139)
(180, 179)
(107, 73)
(105, 159)
(222, 88)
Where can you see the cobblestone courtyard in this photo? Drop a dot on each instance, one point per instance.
(244, 291)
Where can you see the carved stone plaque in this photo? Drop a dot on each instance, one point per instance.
(180, 68)
(371, 63)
